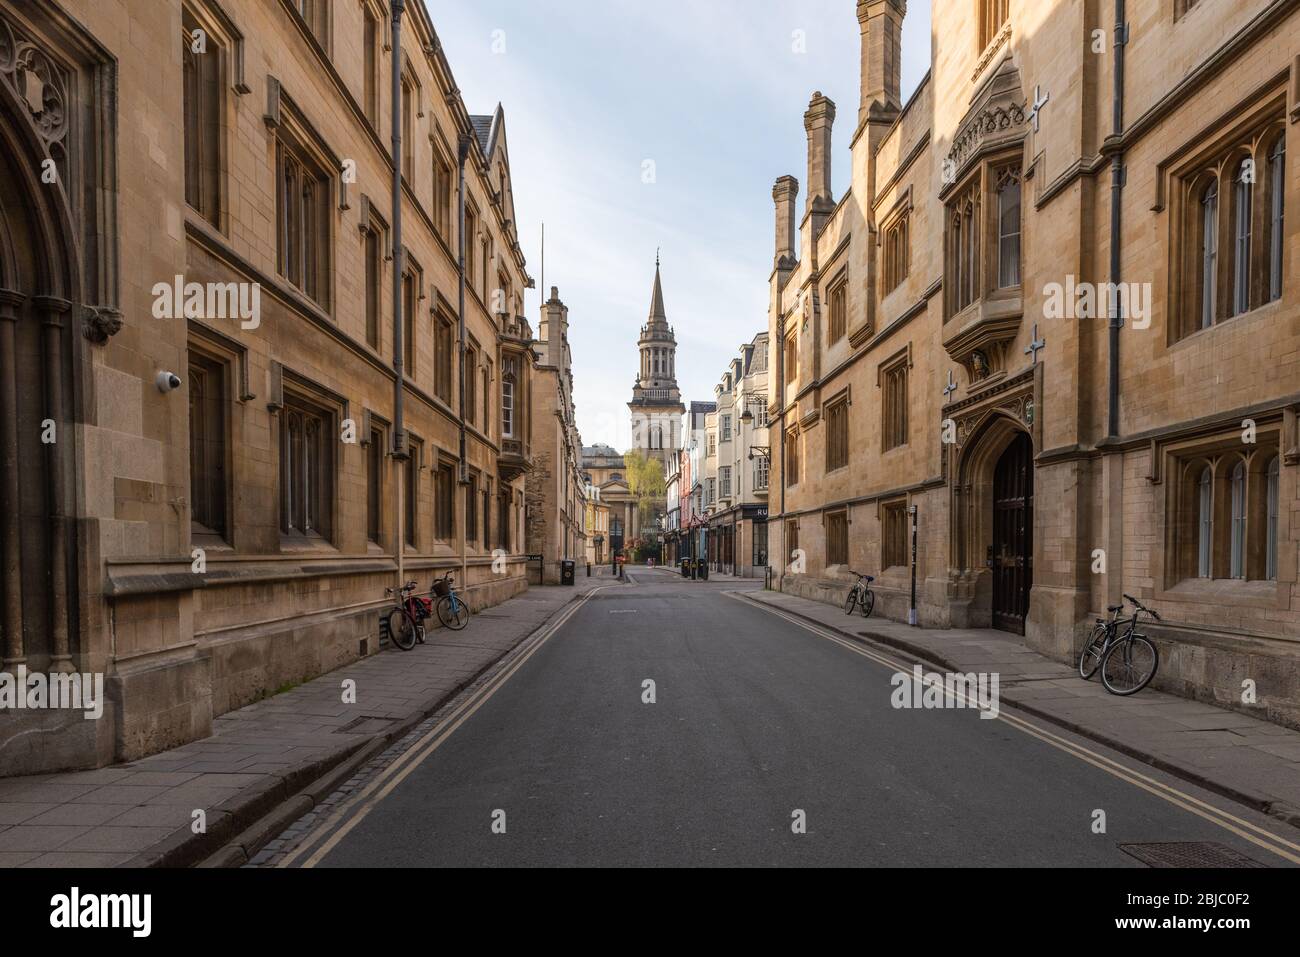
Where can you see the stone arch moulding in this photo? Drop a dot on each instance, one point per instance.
(984, 425)
(58, 101)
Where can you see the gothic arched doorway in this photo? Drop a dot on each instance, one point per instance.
(1013, 534)
(38, 283)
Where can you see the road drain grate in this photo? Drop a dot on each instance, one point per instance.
(366, 724)
(1188, 854)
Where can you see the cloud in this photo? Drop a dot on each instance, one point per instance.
(713, 94)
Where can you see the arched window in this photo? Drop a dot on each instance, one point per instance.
(1238, 561)
(1209, 251)
(957, 247)
(1009, 230)
(971, 269)
(1272, 476)
(1205, 523)
(1243, 200)
(1277, 191)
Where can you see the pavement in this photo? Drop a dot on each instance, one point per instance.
(1245, 758)
(676, 723)
(273, 757)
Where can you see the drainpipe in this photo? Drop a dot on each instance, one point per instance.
(1116, 208)
(780, 380)
(401, 448)
(462, 154)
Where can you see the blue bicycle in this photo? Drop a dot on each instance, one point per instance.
(452, 611)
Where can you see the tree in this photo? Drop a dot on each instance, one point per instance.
(645, 480)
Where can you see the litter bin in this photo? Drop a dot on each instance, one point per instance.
(704, 570)
(567, 567)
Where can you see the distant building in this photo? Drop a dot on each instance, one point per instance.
(556, 486)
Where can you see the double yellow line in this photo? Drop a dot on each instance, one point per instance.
(353, 812)
(1230, 822)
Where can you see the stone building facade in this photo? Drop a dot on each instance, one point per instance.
(196, 275)
(740, 459)
(1055, 313)
(556, 487)
(603, 468)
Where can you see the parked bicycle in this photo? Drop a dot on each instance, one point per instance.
(452, 610)
(861, 595)
(406, 621)
(1127, 661)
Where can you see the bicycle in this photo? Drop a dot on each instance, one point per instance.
(861, 595)
(1127, 662)
(452, 611)
(406, 621)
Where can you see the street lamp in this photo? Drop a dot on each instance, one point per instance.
(764, 452)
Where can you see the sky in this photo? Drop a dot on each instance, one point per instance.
(643, 126)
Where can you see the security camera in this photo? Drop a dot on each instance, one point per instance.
(168, 381)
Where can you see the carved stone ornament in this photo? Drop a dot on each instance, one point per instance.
(99, 323)
(41, 84)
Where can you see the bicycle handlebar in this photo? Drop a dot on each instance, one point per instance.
(1137, 604)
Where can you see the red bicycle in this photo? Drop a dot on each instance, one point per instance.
(406, 621)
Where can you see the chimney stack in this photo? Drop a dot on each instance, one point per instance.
(818, 121)
(881, 22)
(784, 193)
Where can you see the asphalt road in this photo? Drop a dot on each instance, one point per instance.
(754, 719)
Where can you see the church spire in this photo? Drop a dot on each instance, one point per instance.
(657, 297)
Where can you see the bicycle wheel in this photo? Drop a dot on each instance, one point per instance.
(1090, 657)
(401, 629)
(1129, 665)
(868, 603)
(453, 612)
(851, 601)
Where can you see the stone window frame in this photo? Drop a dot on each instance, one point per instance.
(210, 374)
(896, 247)
(895, 551)
(375, 440)
(444, 364)
(308, 425)
(791, 370)
(836, 524)
(372, 82)
(836, 414)
(790, 472)
(444, 186)
(724, 482)
(837, 313)
(972, 233)
(444, 498)
(472, 353)
(299, 150)
(471, 508)
(1242, 526)
(412, 297)
(762, 471)
(374, 230)
(791, 538)
(314, 16)
(204, 125)
(1200, 300)
(414, 466)
(990, 18)
(893, 377)
(412, 110)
